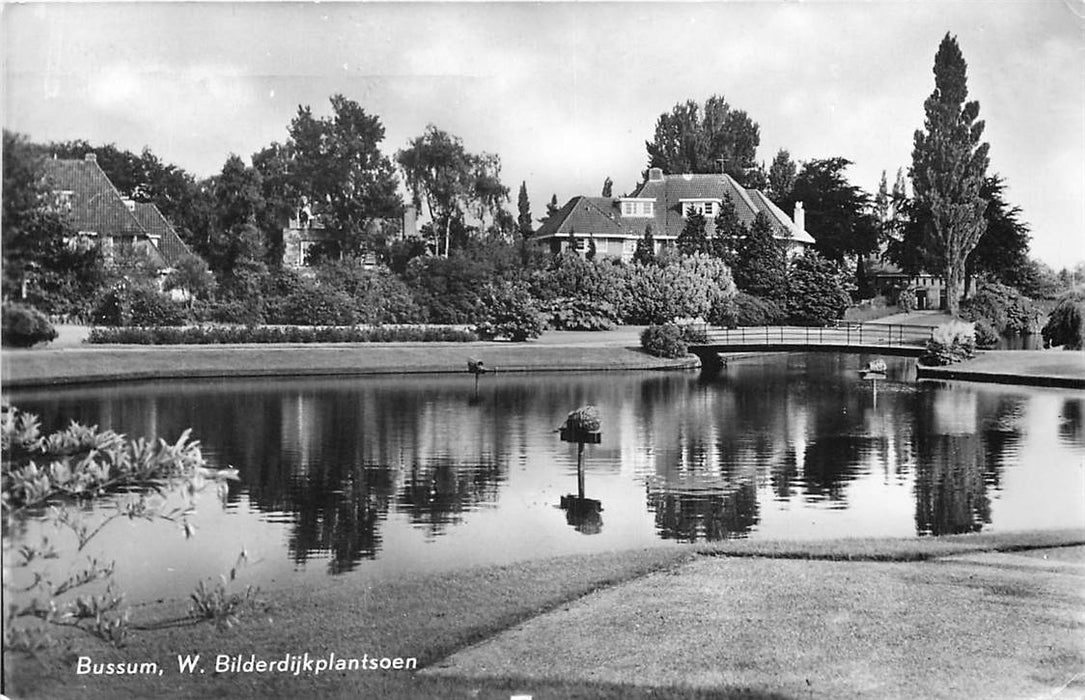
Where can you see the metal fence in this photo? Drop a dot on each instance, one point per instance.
(883, 334)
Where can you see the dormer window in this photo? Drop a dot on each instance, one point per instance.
(635, 207)
(708, 207)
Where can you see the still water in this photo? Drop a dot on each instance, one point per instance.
(396, 476)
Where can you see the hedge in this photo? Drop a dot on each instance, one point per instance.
(227, 335)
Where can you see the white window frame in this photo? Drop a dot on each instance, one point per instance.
(638, 208)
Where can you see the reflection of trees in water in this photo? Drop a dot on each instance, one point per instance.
(1070, 422)
(950, 490)
(951, 482)
(436, 495)
(830, 462)
(704, 516)
(340, 516)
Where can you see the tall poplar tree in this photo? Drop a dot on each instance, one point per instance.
(949, 163)
(523, 205)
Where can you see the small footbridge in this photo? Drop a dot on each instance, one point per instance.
(880, 338)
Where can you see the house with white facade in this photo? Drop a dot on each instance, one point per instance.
(615, 224)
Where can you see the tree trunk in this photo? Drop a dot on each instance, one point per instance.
(954, 288)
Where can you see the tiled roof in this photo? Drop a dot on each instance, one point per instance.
(170, 244)
(784, 225)
(96, 205)
(602, 215)
(587, 215)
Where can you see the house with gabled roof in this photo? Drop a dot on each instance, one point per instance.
(615, 224)
(100, 215)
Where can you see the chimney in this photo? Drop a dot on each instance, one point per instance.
(91, 158)
(800, 217)
(655, 174)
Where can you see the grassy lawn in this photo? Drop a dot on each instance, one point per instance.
(110, 363)
(433, 617)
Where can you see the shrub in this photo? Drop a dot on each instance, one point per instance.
(1066, 324)
(312, 305)
(748, 310)
(137, 305)
(680, 286)
(64, 471)
(663, 341)
(986, 334)
(25, 326)
(377, 294)
(1004, 308)
(237, 312)
(950, 342)
(816, 294)
(581, 314)
(509, 311)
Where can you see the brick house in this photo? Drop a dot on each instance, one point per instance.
(101, 216)
(615, 224)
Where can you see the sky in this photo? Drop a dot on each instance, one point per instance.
(565, 93)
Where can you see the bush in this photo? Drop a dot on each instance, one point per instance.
(237, 312)
(817, 295)
(227, 335)
(510, 312)
(25, 326)
(137, 305)
(986, 334)
(378, 295)
(1004, 308)
(663, 341)
(1066, 324)
(581, 314)
(312, 305)
(950, 342)
(748, 310)
(680, 286)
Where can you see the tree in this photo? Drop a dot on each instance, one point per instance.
(781, 176)
(816, 295)
(439, 170)
(690, 139)
(837, 212)
(760, 266)
(693, 238)
(1066, 325)
(552, 206)
(881, 200)
(645, 254)
(608, 186)
(1001, 254)
(523, 205)
(729, 232)
(949, 163)
(193, 277)
(44, 263)
(337, 163)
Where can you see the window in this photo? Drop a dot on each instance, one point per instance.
(699, 206)
(639, 208)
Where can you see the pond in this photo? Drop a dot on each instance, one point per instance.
(395, 476)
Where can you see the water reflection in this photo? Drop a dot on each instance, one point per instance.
(359, 471)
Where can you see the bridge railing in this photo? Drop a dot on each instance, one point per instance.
(885, 334)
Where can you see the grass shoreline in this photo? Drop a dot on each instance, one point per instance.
(436, 615)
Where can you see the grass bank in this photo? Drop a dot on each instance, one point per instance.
(433, 617)
(27, 368)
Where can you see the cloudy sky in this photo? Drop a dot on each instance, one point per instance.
(565, 93)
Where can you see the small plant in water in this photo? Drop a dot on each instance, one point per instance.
(220, 605)
(51, 478)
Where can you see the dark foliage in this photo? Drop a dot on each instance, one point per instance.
(663, 341)
(24, 326)
(1066, 324)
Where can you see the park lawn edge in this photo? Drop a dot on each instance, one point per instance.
(434, 616)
